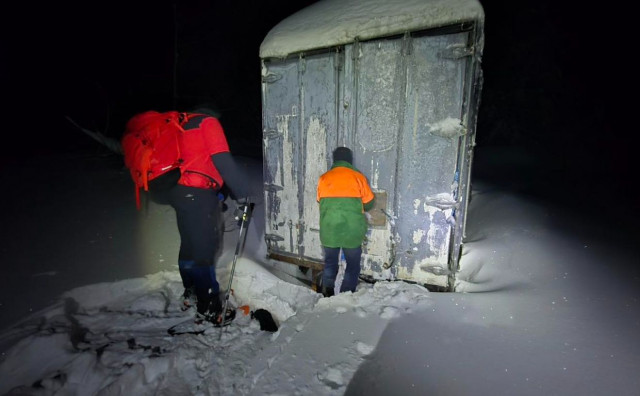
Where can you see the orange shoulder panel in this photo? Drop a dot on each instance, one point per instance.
(342, 182)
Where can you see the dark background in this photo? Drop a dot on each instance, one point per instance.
(559, 84)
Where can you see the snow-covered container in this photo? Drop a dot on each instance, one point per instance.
(398, 82)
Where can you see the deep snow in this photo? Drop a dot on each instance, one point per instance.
(547, 303)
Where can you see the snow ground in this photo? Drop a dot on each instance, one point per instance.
(547, 304)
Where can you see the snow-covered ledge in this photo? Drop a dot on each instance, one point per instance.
(334, 22)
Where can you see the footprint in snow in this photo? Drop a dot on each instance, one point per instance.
(389, 312)
(364, 349)
(332, 377)
(361, 312)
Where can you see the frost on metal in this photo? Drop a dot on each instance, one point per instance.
(447, 128)
(406, 105)
(315, 166)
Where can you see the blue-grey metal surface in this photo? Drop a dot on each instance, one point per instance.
(405, 107)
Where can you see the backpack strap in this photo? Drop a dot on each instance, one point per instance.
(193, 121)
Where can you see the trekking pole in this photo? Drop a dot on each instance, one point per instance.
(244, 220)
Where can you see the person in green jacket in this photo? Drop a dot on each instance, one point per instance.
(344, 195)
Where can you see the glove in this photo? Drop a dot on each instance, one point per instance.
(242, 201)
(243, 211)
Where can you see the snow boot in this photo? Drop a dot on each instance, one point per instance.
(189, 299)
(214, 314)
(327, 291)
(216, 318)
(219, 321)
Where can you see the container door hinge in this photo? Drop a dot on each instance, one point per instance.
(271, 78)
(273, 238)
(456, 51)
(272, 187)
(271, 134)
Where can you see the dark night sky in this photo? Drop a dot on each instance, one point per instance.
(102, 63)
(558, 80)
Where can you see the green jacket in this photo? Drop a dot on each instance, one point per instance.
(344, 195)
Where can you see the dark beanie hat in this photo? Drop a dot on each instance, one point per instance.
(343, 154)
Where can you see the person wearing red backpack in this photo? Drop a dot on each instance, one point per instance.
(206, 165)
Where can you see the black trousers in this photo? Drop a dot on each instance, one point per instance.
(199, 217)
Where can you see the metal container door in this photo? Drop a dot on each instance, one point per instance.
(299, 105)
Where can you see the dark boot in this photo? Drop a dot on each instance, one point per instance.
(203, 303)
(189, 299)
(214, 312)
(327, 291)
(215, 304)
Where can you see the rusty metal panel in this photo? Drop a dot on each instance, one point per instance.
(408, 106)
(379, 78)
(319, 134)
(471, 96)
(427, 182)
(300, 107)
(281, 134)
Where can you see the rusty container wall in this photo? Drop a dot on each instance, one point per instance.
(406, 105)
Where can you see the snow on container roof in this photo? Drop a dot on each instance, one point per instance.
(334, 22)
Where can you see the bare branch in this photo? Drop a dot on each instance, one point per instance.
(110, 143)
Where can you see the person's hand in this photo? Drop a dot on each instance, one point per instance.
(242, 201)
(243, 210)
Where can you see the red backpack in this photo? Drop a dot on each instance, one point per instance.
(152, 151)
